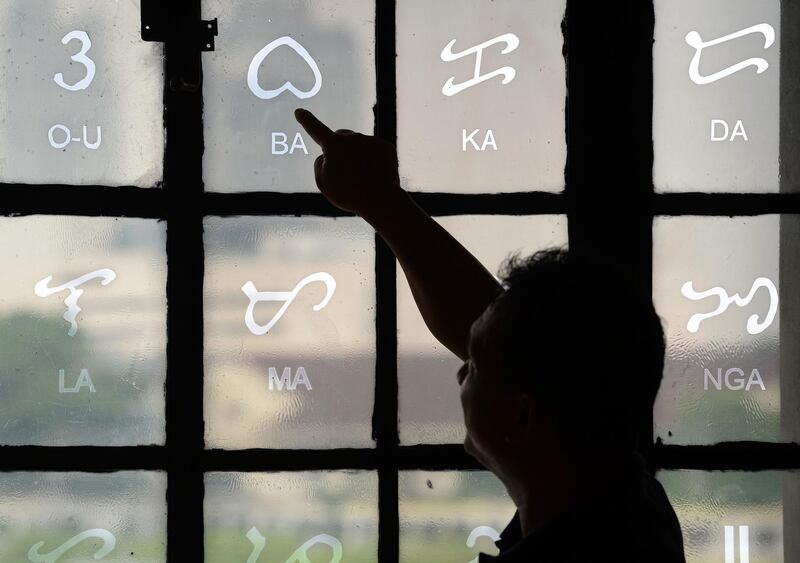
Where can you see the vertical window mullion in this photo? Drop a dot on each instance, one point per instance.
(789, 245)
(384, 423)
(609, 141)
(184, 201)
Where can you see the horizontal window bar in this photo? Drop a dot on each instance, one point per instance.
(269, 203)
(289, 460)
(21, 199)
(728, 456)
(82, 458)
(148, 203)
(747, 456)
(724, 204)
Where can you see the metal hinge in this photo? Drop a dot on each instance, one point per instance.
(155, 26)
(154, 20)
(208, 30)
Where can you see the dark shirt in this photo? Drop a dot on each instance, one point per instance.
(628, 521)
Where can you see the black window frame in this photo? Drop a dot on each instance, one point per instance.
(609, 200)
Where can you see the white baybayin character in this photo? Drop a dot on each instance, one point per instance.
(252, 72)
(694, 40)
(41, 289)
(287, 297)
(482, 531)
(753, 324)
(508, 72)
(300, 555)
(730, 544)
(108, 539)
(79, 57)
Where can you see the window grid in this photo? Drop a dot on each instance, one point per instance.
(609, 201)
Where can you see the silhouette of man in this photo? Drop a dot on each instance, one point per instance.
(561, 363)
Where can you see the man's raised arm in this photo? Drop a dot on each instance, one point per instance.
(358, 173)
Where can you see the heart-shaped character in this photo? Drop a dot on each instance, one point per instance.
(252, 72)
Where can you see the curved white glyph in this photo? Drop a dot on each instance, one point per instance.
(507, 72)
(79, 57)
(252, 72)
(287, 297)
(108, 539)
(753, 324)
(41, 289)
(300, 555)
(694, 40)
(482, 531)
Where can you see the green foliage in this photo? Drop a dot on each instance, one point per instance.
(144, 549)
(225, 546)
(747, 490)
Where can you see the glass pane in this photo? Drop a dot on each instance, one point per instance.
(728, 300)
(83, 94)
(73, 517)
(304, 516)
(82, 331)
(289, 332)
(481, 86)
(270, 58)
(451, 516)
(736, 517)
(430, 408)
(717, 98)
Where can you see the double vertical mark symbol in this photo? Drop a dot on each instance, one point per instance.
(730, 544)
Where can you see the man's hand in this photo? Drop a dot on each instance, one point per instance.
(356, 173)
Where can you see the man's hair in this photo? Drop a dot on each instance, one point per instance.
(582, 336)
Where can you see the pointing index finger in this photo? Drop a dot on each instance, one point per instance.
(320, 132)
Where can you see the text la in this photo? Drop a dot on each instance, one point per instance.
(84, 380)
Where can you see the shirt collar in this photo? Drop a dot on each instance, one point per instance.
(511, 543)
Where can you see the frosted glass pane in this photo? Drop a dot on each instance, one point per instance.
(726, 353)
(716, 108)
(270, 58)
(736, 516)
(82, 97)
(430, 408)
(304, 377)
(305, 516)
(74, 517)
(485, 113)
(451, 516)
(82, 331)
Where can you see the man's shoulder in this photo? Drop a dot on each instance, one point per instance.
(632, 522)
(654, 520)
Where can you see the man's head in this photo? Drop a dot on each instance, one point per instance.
(568, 357)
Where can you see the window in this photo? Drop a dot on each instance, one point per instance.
(202, 360)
